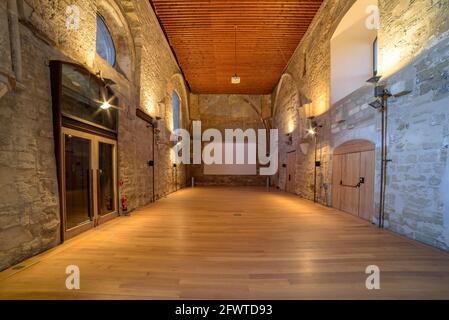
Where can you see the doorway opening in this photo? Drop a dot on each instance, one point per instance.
(291, 173)
(89, 178)
(85, 131)
(353, 178)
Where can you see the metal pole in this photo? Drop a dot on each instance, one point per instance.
(382, 168)
(385, 162)
(315, 174)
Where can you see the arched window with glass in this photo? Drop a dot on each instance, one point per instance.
(176, 111)
(105, 44)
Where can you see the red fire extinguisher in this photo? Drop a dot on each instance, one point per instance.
(124, 204)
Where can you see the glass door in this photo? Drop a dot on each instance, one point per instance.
(89, 180)
(106, 180)
(78, 183)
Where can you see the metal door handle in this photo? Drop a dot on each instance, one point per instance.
(358, 185)
(91, 190)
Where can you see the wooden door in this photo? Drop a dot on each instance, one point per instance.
(291, 172)
(367, 168)
(353, 178)
(350, 174)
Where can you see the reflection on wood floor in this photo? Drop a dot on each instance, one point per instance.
(233, 243)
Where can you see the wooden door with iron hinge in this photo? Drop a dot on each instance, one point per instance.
(353, 178)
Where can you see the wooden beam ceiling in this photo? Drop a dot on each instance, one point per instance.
(202, 35)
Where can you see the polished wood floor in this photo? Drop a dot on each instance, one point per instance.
(241, 243)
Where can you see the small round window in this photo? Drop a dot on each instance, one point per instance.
(105, 45)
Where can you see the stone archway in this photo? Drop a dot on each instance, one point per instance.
(290, 118)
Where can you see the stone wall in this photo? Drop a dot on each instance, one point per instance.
(223, 112)
(145, 73)
(6, 71)
(29, 204)
(413, 53)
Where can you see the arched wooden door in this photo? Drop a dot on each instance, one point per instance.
(353, 178)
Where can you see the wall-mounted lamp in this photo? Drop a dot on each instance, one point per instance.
(374, 80)
(289, 139)
(304, 146)
(376, 104)
(314, 127)
(105, 105)
(382, 96)
(312, 131)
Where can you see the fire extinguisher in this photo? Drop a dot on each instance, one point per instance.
(124, 204)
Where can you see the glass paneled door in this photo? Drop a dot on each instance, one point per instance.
(89, 180)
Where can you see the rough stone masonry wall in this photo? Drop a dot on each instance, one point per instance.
(29, 202)
(157, 77)
(6, 71)
(303, 92)
(29, 205)
(223, 112)
(413, 41)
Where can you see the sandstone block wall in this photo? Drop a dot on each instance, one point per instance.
(223, 112)
(413, 53)
(145, 74)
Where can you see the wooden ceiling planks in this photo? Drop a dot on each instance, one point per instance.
(202, 34)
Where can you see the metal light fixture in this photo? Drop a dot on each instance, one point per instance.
(382, 96)
(235, 79)
(375, 79)
(376, 104)
(289, 139)
(314, 131)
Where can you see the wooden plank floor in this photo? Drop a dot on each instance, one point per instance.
(241, 243)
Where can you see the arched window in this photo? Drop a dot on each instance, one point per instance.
(353, 50)
(105, 44)
(176, 111)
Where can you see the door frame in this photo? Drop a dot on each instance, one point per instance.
(96, 219)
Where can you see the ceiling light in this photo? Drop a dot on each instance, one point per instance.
(235, 79)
